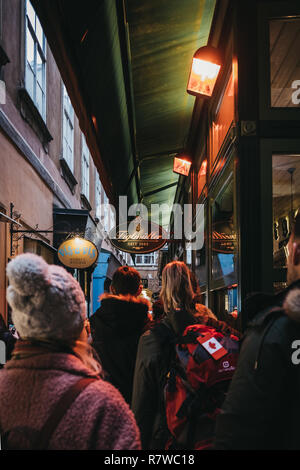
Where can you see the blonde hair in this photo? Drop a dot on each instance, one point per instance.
(88, 356)
(176, 291)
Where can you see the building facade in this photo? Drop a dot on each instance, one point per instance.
(147, 266)
(48, 179)
(244, 142)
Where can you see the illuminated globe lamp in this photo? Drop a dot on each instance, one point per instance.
(77, 240)
(77, 253)
(182, 164)
(204, 72)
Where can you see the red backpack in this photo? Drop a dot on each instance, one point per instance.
(196, 385)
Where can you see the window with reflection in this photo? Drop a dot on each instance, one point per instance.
(85, 168)
(286, 201)
(201, 180)
(148, 259)
(285, 62)
(224, 235)
(223, 119)
(68, 130)
(200, 258)
(35, 71)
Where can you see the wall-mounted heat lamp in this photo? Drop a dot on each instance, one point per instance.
(204, 72)
(182, 165)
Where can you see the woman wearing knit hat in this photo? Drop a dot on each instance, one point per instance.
(51, 392)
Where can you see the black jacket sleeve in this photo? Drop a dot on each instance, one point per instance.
(144, 398)
(253, 413)
(152, 365)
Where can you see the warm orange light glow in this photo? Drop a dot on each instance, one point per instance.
(223, 119)
(84, 36)
(95, 122)
(202, 177)
(203, 168)
(203, 77)
(204, 71)
(181, 166)
(78, 241)
(235, 71)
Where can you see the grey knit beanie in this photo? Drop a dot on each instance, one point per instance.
(46, 301)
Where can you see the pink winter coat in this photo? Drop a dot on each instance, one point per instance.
(99, 418)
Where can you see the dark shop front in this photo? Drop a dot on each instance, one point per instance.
(245, 146)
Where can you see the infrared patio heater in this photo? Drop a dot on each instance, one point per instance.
(205, 68)
(182, 164)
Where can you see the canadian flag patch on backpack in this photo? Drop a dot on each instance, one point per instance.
(196, 385)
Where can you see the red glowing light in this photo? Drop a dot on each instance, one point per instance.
(95, 122)
(204, 71)
(203, 168)
(181, 166)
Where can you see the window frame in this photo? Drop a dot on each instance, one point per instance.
(266, 12)
(1, 19)
(85, 168)
(213, 159)
(98, 193)
(143, 259)
(228, 173)
(106, 214)
(269, 147)
(67, 121)
(204, 284)
(42, 51)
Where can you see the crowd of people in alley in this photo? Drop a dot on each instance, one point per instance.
(135, 376)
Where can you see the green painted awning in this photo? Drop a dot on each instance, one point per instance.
(163, 36)
(125, 65)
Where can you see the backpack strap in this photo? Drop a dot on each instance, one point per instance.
(60, 409)
(272, 316)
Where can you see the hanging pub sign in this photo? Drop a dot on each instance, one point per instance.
(223, 238)
(77, 253)
(139, 236)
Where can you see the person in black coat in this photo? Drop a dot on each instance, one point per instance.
(262, 408)
(117, 326)
(157, 310)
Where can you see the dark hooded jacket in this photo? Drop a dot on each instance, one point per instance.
(262, 408)
(116, 328)
(155, 353)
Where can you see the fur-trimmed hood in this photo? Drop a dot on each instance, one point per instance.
(116, 329)
(125, 314)
(291, 304)
(126, 298)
